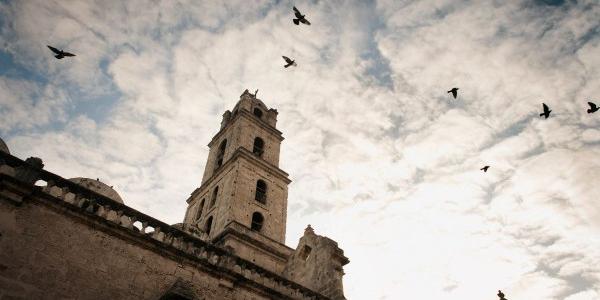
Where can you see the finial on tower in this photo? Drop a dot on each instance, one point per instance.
(246, 92)
(309, 230)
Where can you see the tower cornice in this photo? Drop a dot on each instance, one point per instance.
(242, 152)
(261, 241)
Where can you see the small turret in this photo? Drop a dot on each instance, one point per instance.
(318, 264)
(226, 118)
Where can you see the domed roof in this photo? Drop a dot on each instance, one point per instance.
(3, 146)
(99, 187)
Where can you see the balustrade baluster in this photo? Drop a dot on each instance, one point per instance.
(90, 206)
(82, 202)
(70, 198)
(155, 234)
(144, 226)
(55, 191)
(132, 221)
(107, 211)
(237, 268)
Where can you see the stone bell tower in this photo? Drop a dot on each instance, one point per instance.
(242, 201)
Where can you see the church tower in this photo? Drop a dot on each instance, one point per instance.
(242, 201)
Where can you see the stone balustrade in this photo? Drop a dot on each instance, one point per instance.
(55, 188)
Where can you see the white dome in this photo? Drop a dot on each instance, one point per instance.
(98, 187)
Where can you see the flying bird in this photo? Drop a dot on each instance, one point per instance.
(454, 92)
(546, 112)
(501, 295)
(300, 18)
(484, 169)
(60, 54)
(289, 62)
(593, 108)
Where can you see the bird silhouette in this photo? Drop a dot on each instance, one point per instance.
(593, 108)
(289, 62)
(546, 112)
(60, 54)
(300, 18)
(484, 169)
(454, 92)
(501, 295)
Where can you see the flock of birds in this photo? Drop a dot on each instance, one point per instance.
(546, 113)
(300, 18)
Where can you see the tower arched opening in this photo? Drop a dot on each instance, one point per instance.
(257, 221)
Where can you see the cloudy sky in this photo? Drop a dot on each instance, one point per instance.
(382, 159)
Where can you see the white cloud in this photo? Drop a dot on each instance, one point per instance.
(585, 295)
(382, 159)
(26, 105)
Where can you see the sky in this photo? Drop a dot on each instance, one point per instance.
(382, 159)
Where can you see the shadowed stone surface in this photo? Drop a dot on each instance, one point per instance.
(3, 146)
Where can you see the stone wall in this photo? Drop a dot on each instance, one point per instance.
(47, 253)
(236, 180)
(211, 161)
(62, 241)
(250, 128)
(225, 181)
(274, 210)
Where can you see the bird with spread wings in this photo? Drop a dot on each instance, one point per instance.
(546, 112)
(289, 62)
(300, 18)
(60, 54)
(454, 92)
(593, 108)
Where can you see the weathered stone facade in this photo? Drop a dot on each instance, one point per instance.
(318, 263)
(61, 239)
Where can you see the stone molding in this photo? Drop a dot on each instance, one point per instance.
(244, 233)
(241, 152)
